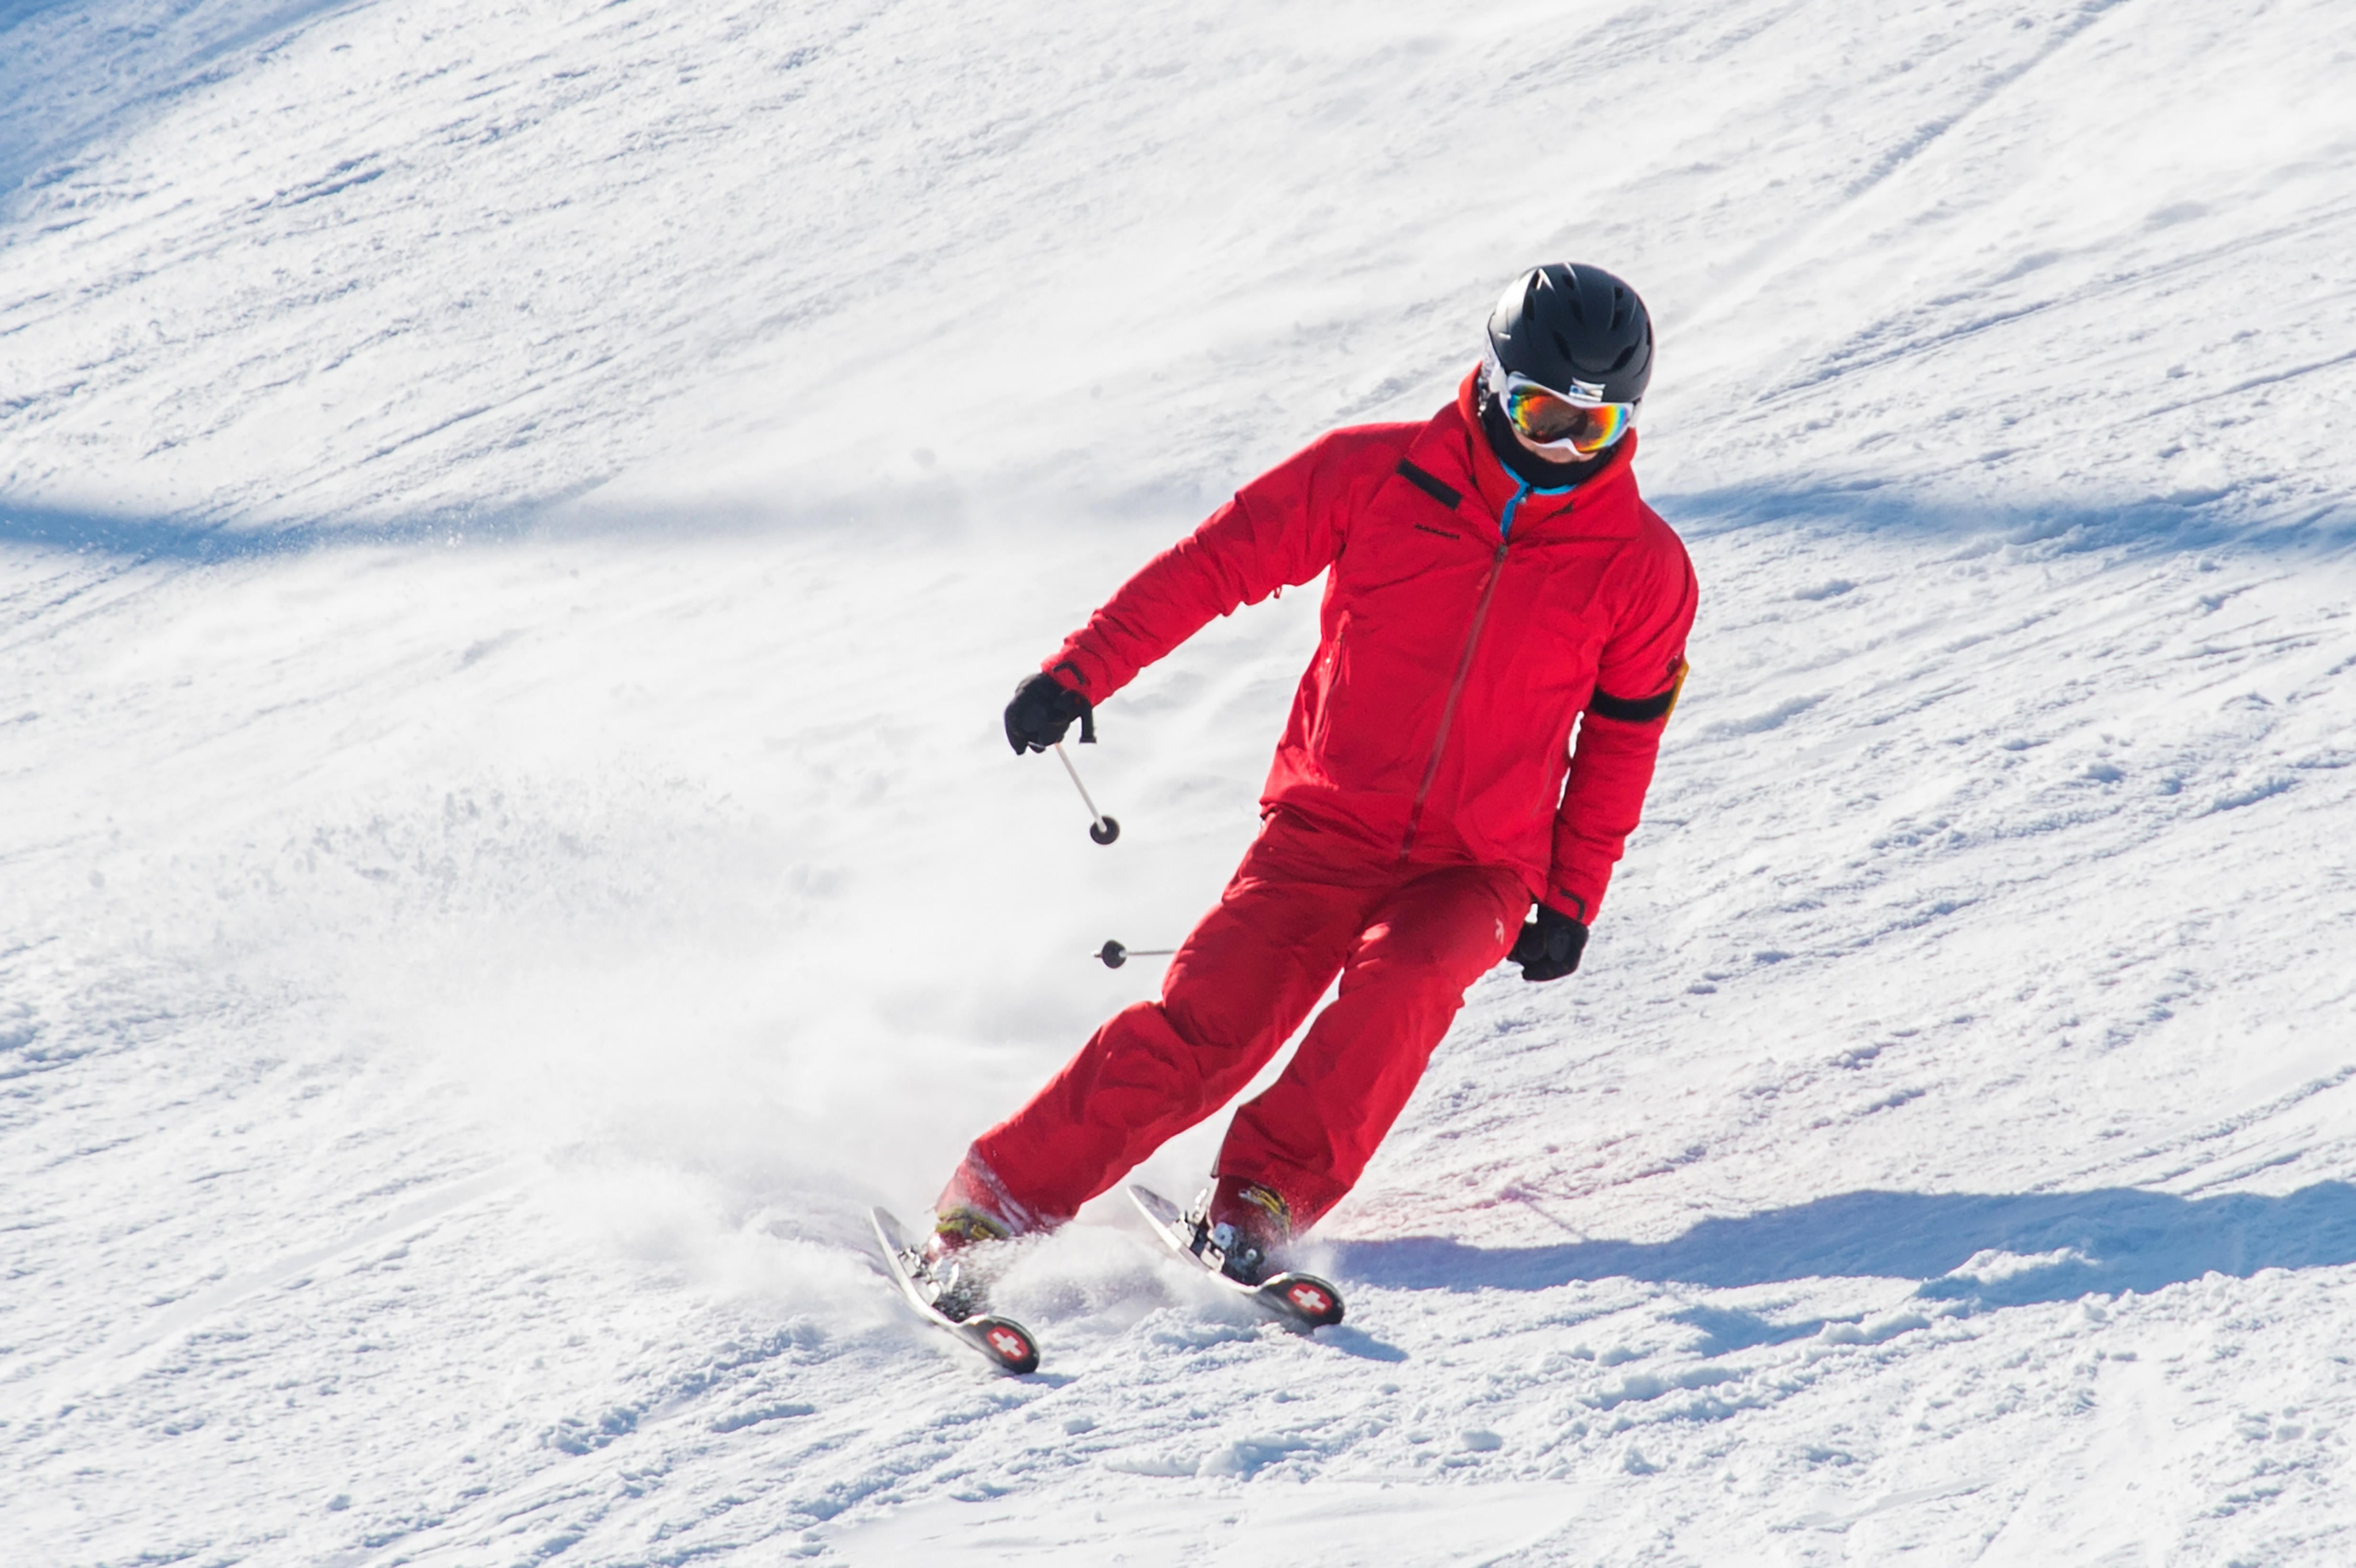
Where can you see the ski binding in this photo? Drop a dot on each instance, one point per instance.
(1301, 1301)
(1004, 1342)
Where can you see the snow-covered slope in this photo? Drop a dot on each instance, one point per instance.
(514, 525)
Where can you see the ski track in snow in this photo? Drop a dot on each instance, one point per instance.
(507, 849)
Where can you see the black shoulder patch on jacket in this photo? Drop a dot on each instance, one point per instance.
(1440, 490)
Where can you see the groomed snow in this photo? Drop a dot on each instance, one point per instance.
(516, 523)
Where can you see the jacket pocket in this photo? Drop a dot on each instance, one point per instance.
(1332, 683)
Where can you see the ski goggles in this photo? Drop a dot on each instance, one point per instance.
(1579, 422)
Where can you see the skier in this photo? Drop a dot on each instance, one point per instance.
(1494, 582)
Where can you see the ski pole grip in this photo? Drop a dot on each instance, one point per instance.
(1088, 726)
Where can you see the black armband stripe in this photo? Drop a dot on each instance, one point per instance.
(1605, 706)
(1440, 490)
(1638, 710)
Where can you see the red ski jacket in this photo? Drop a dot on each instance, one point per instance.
(1468, 622)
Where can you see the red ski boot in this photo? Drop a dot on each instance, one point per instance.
(1249, 1225)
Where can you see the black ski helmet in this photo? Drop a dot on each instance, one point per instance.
(1575, 329)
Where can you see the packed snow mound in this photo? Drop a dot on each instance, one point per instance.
(515, 527)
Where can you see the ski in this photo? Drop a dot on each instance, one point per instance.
(1006, 1344)
(1301, 1300)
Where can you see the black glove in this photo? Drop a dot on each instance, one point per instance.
(1043, 709)
(1550, 945)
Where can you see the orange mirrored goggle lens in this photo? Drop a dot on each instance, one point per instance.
(1551, 420)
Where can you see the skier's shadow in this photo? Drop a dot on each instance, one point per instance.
(2055, 1246)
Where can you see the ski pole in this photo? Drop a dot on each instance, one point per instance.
(1114, 954)
(1104, 829)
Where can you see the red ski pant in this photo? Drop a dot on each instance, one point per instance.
(1306, 904)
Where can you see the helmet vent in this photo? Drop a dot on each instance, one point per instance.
(1578, 321)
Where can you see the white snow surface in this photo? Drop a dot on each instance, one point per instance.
(515, 523)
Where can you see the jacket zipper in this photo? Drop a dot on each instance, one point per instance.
(1463, 669)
